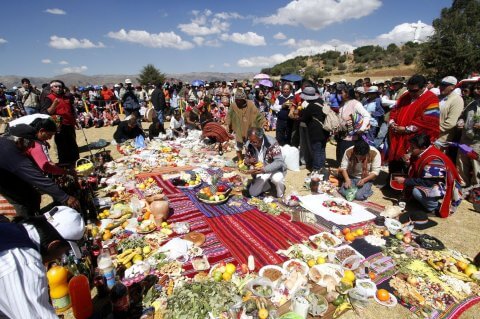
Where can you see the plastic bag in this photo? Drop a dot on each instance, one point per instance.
(291, 156)
(140, 142)
(350, 193)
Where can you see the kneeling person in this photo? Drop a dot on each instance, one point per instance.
(265, 154)
(128, 130)
(360, 166)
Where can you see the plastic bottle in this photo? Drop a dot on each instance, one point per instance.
(105, 264)
(57, 281)
(79, 290)
(120, 300)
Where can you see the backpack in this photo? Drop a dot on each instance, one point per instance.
(332, 121)
(130, 103)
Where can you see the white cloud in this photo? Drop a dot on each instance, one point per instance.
(401, 33)
(154, 40)
(213, 43)
(226, 64)
(55, 11)
(63, 62)
(46, 61)
(2, 41)
(211, 66)
(74, 69)
(72, 43)
(317, 14)
(228, 15)
(202, 25)
(199, 40)
(304, 48)
(280, 36)
(249, 38)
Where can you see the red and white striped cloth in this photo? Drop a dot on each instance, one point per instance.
(6, 209)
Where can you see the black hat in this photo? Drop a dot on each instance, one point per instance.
(23, 130)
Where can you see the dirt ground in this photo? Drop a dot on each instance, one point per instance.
(459, 232)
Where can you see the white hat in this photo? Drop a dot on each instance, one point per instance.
(360, 89)
(435, 91)
(343, 80)
(69, 224)
(373, 89)
(116, 85)
(451, 80)
(229, 83)
(128, 81)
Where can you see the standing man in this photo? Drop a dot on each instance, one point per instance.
(159, 103)
(281, 107)
(130, 101)
(21, 179)
(61, 104)
(29, 97)
(24, 248)
(451, 107)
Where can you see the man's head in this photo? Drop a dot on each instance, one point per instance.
(177, 115)
(419, 143)
(59, 229)
(397, 83)
(287, 89)
(361, 150)
(240, 98)
(255, 136)
(25, 83)
(57, 87)
(23, 135)
(45, 127)
(128, 83)
(132, 121)
(416, 85)
(448, 85)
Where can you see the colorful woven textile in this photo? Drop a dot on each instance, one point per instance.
(259, 234)
(6, 209)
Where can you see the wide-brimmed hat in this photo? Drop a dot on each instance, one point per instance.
(449, 80)
(373, 89)
(360, 89)
(309, 93)
(128, 81)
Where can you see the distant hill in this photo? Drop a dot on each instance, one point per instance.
(370, 60)
(82, 80)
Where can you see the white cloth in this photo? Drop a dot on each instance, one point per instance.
(27, 119)
(23, 283)
(314, 203)
(261, 184)
(174, 124)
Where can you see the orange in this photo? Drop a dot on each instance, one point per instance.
(349, 237)
(383, 295)
(227, 276)
(345, 231)
(372, 275)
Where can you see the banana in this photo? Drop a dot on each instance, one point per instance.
(127, 258)
(457, 275)
(125, 253)
(432, 263)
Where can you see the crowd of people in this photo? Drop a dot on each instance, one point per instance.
(412, 125)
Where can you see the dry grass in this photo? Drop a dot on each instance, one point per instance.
(460, 232)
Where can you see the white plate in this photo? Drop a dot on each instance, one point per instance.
(303, 265)
(366, 291)
(333, 270)
(353, 260)
(280, 269)
(337, 249)
(322, 242)
(391, 303)
(393, 225)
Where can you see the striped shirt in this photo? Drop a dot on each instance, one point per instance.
(23, 283)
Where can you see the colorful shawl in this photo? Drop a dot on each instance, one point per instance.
(217, 131)
(423, 113)
(433, 164)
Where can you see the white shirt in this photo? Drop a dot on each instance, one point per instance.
(23, 283)
(174, 124)
(27, 119)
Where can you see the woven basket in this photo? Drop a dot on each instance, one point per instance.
(84, 172)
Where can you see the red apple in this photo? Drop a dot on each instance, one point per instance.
(244, 269)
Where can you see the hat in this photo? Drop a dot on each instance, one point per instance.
(247, 88)
(309, 93)
(23, 130)
(343, 80)
(128, 81)
(373, 89)
(69, 224)
(229, 83)
(240, 95)
(450, 80)
(116, 85)
(360, 89)
(397, 79)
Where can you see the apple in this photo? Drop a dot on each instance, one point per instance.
(399, 236)
(407, 239)
(139, 219)
(244, 269)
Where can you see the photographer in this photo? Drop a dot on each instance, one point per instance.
(29, 97)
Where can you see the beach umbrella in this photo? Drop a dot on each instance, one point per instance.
(266, 83)
(198, 83)
(291, 77)
(261, 76)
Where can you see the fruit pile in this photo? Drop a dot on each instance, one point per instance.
(207, 194)
(146, 184)
(187, 180)
(224, 271)
(133, 256)
(351, 235)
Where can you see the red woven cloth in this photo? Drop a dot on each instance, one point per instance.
(6, 209)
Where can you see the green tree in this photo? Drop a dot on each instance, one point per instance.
(454, 48)
(408, 58)
(392, 48)
(150, 74)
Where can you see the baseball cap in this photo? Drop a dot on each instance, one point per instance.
(128, 81)
(69, 224)
(450, 80)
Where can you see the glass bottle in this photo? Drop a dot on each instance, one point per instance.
(120, 300)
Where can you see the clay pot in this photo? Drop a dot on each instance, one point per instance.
(160, 210)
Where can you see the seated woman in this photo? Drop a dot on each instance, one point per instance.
(128, 130)
(433, 180)
(46, 128)
(360, 165)
(177, 124)
(217, 134)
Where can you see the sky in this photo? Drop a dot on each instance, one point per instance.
(54, 37)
